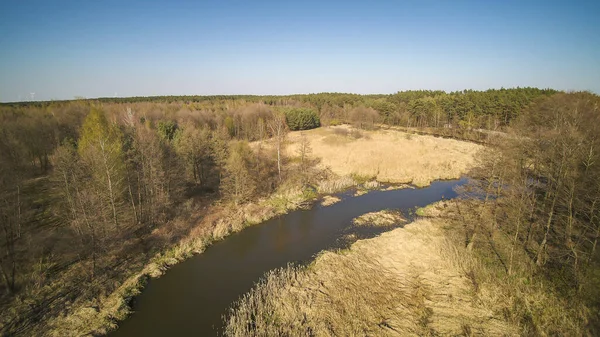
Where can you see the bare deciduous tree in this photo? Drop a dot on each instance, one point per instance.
(279, 131)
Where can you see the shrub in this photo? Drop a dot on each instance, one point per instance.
(301, 119)
(335, 122)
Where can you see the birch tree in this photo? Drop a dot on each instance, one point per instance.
(101, 149)
(279, 131)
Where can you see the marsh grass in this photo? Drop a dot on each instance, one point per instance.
(280, 305)
(372, 185)
(388, 156)
(397, 187)
(335, 185)
(363, 178)
(383, 218)
(330, 200)
(432, 210)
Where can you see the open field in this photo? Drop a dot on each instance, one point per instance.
(388, 155)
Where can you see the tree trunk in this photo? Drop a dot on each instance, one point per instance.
(512, 248)
(559, 183)
(540, 254)
(110, 187)
(135, 215)
(141, 206)
(597, 234)
(18, 211)
(6, 279)
(531, 219)
(279, 159)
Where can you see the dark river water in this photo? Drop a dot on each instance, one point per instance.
(192, 297)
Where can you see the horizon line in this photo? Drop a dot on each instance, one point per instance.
(82, 98)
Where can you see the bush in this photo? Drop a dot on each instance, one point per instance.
(301, 119)
(335, 122)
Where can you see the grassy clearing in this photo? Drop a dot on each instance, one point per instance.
(388, 155)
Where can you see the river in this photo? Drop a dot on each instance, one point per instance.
(192, 297)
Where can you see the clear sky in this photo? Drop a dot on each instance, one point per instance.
(60, 49)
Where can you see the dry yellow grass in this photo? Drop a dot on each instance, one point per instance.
(382, 218)
(388, 155)
(329, 200)
(397, 187)
(402, 283)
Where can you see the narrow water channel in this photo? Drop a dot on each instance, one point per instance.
(191, 298)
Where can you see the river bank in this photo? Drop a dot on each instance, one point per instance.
(417, 280)
(408, 281)
(103, 315)
(192, 297)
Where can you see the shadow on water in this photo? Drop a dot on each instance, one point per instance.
(191, 298)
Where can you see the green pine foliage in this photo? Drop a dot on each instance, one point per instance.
(301, 119)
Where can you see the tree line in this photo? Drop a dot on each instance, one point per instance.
(540, 187)
(491, 109)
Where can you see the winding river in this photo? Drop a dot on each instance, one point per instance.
(192, 297)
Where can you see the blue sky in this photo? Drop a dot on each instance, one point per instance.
(62, 49)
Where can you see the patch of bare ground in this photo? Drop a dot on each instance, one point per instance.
(388, 155)
(407, 282)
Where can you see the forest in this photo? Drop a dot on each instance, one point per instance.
(539, 220)
(91, 190)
